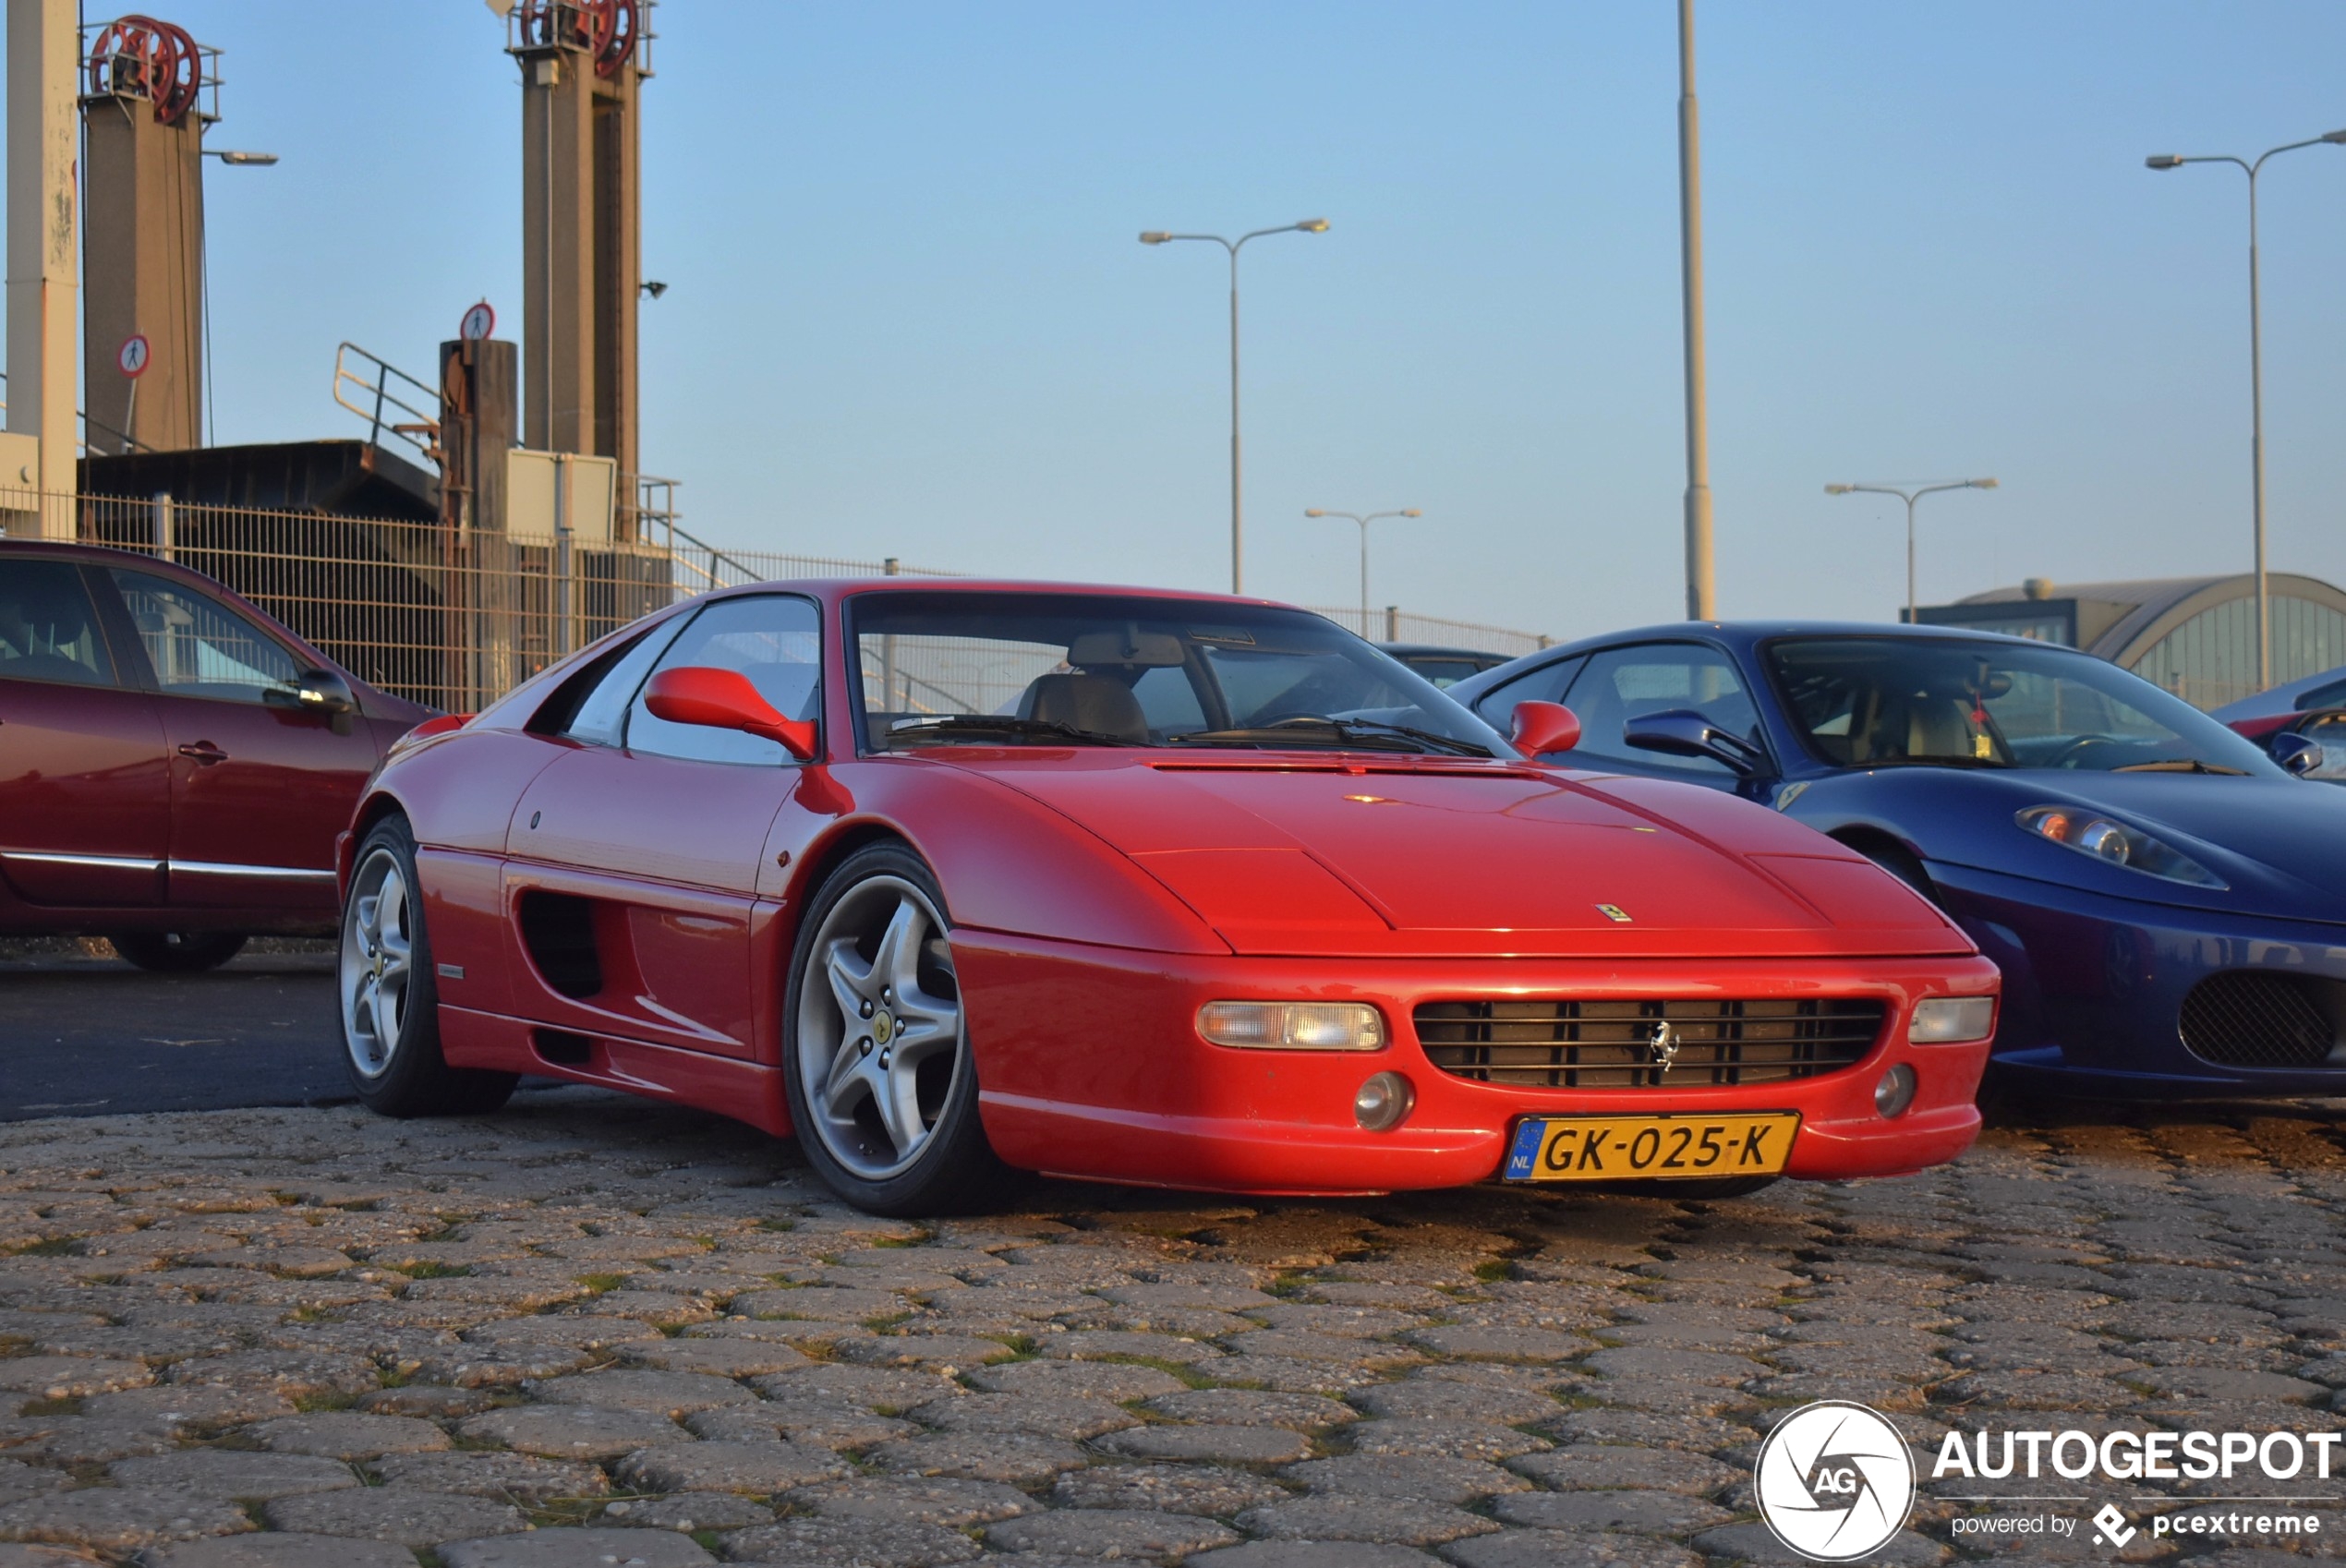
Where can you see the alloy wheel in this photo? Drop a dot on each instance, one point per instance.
(879, 1026)
(378, 952)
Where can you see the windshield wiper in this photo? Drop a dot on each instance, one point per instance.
(1345, 730)
(1003, 724)
(2180, 764)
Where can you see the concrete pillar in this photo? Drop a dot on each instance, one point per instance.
(582, 256)
(43, 252)
(144, 198)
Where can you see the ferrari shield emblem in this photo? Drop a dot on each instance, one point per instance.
(1614, 913)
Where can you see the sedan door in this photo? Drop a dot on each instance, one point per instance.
(635, 862)
(85, 792)
(258, 790)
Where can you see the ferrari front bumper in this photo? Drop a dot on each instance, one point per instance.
(1090, 1066)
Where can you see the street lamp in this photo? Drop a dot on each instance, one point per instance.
(260, 159)
(2256, 375)
(1158, 236)
(1364, 522)
(1910, 497)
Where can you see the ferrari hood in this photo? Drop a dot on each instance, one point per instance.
(1312, 857)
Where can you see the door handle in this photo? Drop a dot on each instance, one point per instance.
(204, 753)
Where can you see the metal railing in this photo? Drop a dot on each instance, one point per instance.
(456, 617)
(388, 389)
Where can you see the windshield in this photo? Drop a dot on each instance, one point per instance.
(1873, 702)
(1053, 669)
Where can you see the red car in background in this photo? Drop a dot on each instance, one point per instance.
(174, 765)
(1148, 888)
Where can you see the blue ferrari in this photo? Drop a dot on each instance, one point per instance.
(2168, 903)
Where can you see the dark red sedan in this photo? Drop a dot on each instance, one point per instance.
(174, 764)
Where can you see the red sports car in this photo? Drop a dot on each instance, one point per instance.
(970, 879)
(174, 765)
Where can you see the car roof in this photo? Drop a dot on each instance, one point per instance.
(836, 589)
(1440, 650)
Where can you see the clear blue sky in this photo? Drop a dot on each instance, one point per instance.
(908, 315)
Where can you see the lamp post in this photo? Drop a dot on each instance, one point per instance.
(1364, 521)
(241, 159)
(2256, 375)
(1158, 236)
(1701, 583)
(1910, 497)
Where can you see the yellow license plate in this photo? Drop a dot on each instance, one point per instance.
(1643, 1148)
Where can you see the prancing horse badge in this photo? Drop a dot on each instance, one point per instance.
(1614, 913)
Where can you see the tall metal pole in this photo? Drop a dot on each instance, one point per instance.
(1159, 236)
(2256, 442)
(1701, 596)
(1363, 519)
(2255, 374)
(1238, 524)
(1910, 556)
(1910, 497)
(1364, 574)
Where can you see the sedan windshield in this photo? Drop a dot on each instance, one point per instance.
(992, 669)
(1875, 702)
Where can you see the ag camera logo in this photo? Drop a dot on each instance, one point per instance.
(1835, 1481)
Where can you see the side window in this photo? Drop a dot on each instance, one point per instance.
(774, 639)
(600, 715)
(199, 646)
(48, 628)
(1620, 684)
(1546, 684)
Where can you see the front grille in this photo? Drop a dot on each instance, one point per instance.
(1610, 1044)
(2249, 1018)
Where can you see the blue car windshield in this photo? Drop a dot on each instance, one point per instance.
(1876, 702)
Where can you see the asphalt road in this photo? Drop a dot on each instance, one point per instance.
(96, 1037)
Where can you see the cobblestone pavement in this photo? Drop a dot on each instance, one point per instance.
(596, 1332)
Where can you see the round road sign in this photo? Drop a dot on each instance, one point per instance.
(132, 356)
(480, 321)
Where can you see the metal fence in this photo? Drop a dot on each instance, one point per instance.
(455, 618)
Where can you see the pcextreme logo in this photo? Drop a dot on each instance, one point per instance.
(1835, 1481)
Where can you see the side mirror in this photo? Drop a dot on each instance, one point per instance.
(1541, 728)
(1682, 732)
(2301, 754)
(321, 691)
(723, 699)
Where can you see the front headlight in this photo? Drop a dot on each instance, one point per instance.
(2115, 842)
(1292, 1026)
(1952, 1020)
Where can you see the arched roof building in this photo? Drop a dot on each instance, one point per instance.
(2195, 636)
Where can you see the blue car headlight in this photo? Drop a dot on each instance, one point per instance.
(2115, 843)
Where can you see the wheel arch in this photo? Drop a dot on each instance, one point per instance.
(379, 804)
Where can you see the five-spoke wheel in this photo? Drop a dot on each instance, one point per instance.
(377, 954)
(882, 1082)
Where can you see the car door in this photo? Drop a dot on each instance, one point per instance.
(634, 862)
(1616, 685)
(85, 791)
(258, 790)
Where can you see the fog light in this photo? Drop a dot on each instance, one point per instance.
(1383, 1101)
(1895, 1091)
(1952, 1020)
(1292, 1026)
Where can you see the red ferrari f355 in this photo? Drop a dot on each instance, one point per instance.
(960, 880)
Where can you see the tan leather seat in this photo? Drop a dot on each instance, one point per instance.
(1085, 702)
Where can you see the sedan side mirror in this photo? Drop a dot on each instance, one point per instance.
(1541, 728)
(2301, 754)
(1682, 732)
(723, 699)
(321, 691)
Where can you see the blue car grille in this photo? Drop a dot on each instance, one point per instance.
(2255, 1018)
(1612, 1044)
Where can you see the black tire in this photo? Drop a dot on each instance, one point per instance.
(390, 1031)
(178, 952)
(934, 1159)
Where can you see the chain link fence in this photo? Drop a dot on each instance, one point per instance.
(455, 618)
